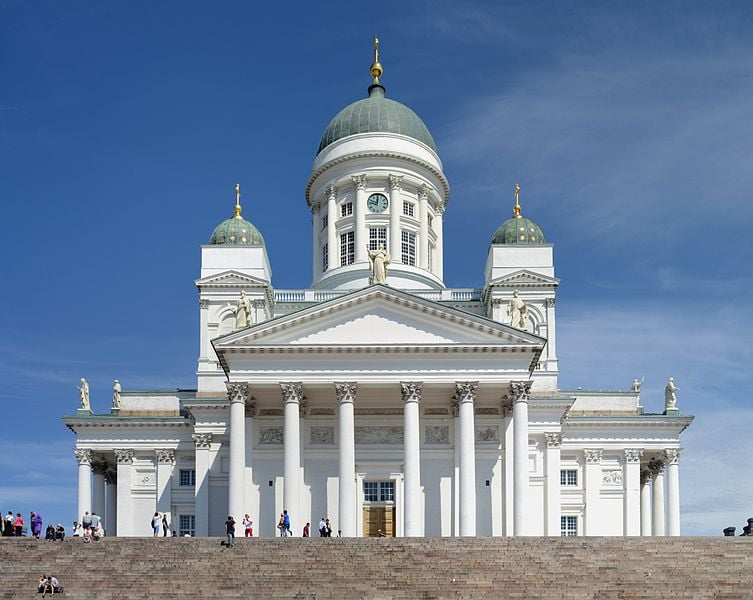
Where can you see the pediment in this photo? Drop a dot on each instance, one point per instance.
(380, 316)
(524, 278)
(230, 279)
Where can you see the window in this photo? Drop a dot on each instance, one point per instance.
(187, 477)
(377, 235)
(408, 209)
(408, 248)
(431, 221)
(187, 525)
(325, 258)
(370, 491)
(387, 491)
(346, 209)
(347, 248)
(569, 526)
(325, 221)
(569, 477)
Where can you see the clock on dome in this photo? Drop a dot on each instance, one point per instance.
(377, 203)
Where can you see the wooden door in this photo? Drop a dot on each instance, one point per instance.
(378, 518)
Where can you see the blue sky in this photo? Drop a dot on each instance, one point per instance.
(125, 125)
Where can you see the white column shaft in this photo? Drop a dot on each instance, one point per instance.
(396, 208)
(673, 498)
(467, 469)
(646, 508)
(553, 501)
(439, 259)
(292, 458)
(657, 506)
(347, 470)
(165, 488)
(124, 522)
(632, 503)
(520, 464)
(361, 237)
(509, 429)
(593, 490)
(333, 248)
(84, 489)
(423, 231)
(201, 491)
(456, 479)
(412, 469)
(111, 510)
(316, 260)
(98, 493)
(237, 466)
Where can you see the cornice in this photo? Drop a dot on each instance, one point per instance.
(654, 421)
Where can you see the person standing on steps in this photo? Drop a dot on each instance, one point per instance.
(18, 525)
(286, 520)
(86, 521)
(281, 526)
(248, 524)
(165, 525)
(322, 528)
(307, 530)
(230, 530)
(156, 524)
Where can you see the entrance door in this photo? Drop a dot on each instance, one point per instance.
(379, 509)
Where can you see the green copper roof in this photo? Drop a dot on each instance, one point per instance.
(236, 231)
(376, 114)
(518, 230)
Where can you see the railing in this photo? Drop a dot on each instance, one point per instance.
(447, 295)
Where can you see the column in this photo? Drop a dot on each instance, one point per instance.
(423, 226)
(346, 397)
(203, 329)
(361, 237)
(292, 394)
(111, 510)
(438, 222)
(672, 460)
(236, 492)
(396, 209)
(316, 258)
(84, 459)
(519, 391)
(645, 503)
(509, 434)
(98, 488)
(412, 462)
(592, 482)
(465, 396)
(165, 463)
(123, 524)
(657, 498)
(456, 470)
(203, 442)
(553, 501)
(333, 259)
(631, 477)
(551, 329)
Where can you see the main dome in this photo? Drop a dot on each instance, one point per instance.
(376, 114)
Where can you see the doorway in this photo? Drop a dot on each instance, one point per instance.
(379, 509)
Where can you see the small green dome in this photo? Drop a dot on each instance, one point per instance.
(518, 230)
(376, 114)
(236, 231)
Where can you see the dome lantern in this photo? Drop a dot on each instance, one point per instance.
(236, 231)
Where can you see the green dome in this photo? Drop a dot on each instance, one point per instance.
(518, 230)
(236, 231)
(376, 114)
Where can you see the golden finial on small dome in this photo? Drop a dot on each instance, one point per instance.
(238, 200)
(516, 208)
(376, 67)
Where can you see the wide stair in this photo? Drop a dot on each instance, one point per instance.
(598, 568)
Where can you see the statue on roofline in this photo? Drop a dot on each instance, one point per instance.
(116, 389)
(670, 395)
(636, 385)
(83, 393)
(517, 309)
(379, 260)
(242, 312)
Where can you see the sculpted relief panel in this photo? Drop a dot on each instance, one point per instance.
(436, 434)
(322, 435)
(379, 434)
(270, 435)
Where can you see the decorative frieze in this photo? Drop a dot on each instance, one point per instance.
(124, 457)
(345, 391)
(371, 412)
(270, 435)
(378, 434)
(271, 412)
(322, 435)
(672, 456)
(612, 477)
(593, 455)
(436, 435)
(411, 391)
(203, 440)
(487, 433)
(553, 440)
(320, 412)
(83, 457)
(165, 456)
(436, 411)
(633, 455)
(291, 392)
(487, 410)
(237, 392)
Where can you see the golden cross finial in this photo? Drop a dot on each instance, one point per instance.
(238, 200)
(516, 208)
(376, 68)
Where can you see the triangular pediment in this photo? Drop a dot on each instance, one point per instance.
(525, 278)
(380, 316)
(230, 279)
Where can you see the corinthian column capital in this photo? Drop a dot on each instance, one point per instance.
(519, 391)
(465, 391)
(330, 192)
(672, 456)
(345, 391)
(124, 457)
(291, 392)
(396, 182)
(359, 181)
(237, 392)
(553, 440)
(633, 455)
(411, 391)
(83, 457)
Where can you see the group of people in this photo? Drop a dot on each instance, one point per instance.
(14, 526)
(160, 526)
(49, 584)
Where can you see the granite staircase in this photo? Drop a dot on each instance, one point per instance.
(317, 568)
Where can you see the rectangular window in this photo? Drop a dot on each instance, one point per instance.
(325, 258)
(187, 525)
(370, 491)
(408, 239)
(569, 477)
(325, 222)
(187, 477)
(387, 491)
(347, 248)
(346, 209)
(569, 526)
(408, 209)
(377, 235)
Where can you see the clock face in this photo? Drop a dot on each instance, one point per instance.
(377, 203)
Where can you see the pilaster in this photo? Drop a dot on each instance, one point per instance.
(632, 500)
(553, 497)
(361, 237)
(592, 482)
(165, 459)
(396, 209)
(203, 443)
(124, 523)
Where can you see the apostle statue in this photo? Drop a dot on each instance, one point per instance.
(83, 393)
(116, 389)
(636, 385)
(518, 312)
(379, 260)
(242, 311)
(670, 395)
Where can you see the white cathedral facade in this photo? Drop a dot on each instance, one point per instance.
(378, 397)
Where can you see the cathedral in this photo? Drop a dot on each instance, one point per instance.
(377, 397)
